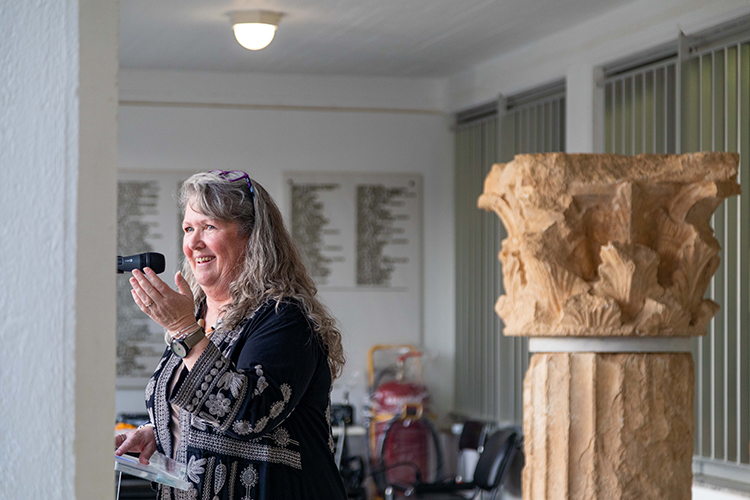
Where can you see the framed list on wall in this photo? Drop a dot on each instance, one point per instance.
(357, 230)
(148, 220)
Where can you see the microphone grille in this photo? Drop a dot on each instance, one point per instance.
(156, 261)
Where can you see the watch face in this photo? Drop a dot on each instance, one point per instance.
(179, 348)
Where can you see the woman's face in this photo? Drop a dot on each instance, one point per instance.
(214, 249)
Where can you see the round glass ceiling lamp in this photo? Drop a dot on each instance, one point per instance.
(254, 29)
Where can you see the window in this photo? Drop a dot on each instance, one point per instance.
(490, 367)
(710, 78)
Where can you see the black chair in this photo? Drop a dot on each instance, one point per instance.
(471, 442)
(492, 468)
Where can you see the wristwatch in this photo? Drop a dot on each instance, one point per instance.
(181, 346)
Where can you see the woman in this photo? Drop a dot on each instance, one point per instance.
(245, 400)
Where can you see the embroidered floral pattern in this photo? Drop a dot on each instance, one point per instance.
(286, 391)
(219, 477)
(207, 370)
(160, 411)
(242, 427)
(150, 388)
(232, 476)
(218, 404)
(198, 423)
(249, 477)
(233, 382)
(192, 493)
(195, 469)
(261, 424)
(276, 409)
(246, 450)
(262, 383)
(208, 478)
(281, 437)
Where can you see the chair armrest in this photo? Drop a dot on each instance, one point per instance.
(391, 489)
(449, 486)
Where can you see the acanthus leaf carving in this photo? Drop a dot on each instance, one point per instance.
(664, 316)
(672, 237)
(589, 312)
(552, 285)
(706, 311)
(698, 263)
(628, 274)
(514, 275)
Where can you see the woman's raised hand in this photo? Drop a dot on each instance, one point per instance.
(141, 440)
(174, 310)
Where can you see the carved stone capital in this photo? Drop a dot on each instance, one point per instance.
(608, 245)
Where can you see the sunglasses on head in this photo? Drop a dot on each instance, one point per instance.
(235, 175)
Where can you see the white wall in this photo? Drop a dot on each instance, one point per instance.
(58, 68)
(418, 95)
(315, 124)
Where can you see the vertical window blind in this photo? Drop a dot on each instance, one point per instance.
(490, 367)
(478, 329)
(716, 117)
(642, 116)
(640, 110)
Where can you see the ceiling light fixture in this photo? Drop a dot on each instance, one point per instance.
(254, 29)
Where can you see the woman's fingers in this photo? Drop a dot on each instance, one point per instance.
(183, 286)
(172, 310)
(119, 439)
(148, 450)
(156, 282)
(126, 445)
(140, 441)
(141, 299)
(145, 283)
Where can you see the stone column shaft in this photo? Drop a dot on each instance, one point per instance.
(609, 427)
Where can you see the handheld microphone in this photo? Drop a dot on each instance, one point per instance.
(155, 261)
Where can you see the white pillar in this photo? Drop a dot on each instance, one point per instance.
(58, 176)
(584, 109)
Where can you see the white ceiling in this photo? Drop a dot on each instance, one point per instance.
(399, 38)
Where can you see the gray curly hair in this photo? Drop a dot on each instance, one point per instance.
(272, 267)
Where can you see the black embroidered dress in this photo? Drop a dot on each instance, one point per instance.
(254, 413)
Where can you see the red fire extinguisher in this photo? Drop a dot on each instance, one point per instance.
(403, 443)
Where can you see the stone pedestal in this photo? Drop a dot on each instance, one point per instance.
(617, 250)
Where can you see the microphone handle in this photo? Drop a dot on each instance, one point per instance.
(153, 260)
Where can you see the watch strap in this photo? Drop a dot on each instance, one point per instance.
(182, 345)
(192, 339)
